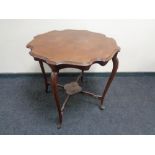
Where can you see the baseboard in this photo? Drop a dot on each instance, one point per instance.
(70, 74)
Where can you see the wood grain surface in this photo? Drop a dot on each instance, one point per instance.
(76, 47)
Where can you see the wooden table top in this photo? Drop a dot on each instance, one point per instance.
(76, 47)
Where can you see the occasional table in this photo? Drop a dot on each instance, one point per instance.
(73, 49)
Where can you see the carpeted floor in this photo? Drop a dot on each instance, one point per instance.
(26, 109)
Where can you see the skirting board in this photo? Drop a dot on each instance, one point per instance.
(70, 74)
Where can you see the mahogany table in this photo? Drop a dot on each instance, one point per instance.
(73, 49)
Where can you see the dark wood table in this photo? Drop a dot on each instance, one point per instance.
(73, 49)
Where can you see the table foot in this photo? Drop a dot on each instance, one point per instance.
(59, 125)
(102, 107)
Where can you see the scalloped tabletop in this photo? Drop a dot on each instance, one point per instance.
(77, 47)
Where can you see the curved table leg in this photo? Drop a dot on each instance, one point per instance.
(113, 73)
(54, 78)
(82, 74)
(44, 75)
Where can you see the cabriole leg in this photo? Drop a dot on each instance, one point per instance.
(82, 74)
(54, 78)
(44, 75)
(113, 73)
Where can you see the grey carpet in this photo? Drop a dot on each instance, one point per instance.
(26, 109)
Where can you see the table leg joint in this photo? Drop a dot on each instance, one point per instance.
(91, 94)
(65, 102)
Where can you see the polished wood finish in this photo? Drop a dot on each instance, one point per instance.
(44, 75)
(76, 47)
(113, 73)
(73, 49)
(54, 78)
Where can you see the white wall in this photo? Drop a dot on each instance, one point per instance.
(135, 37)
